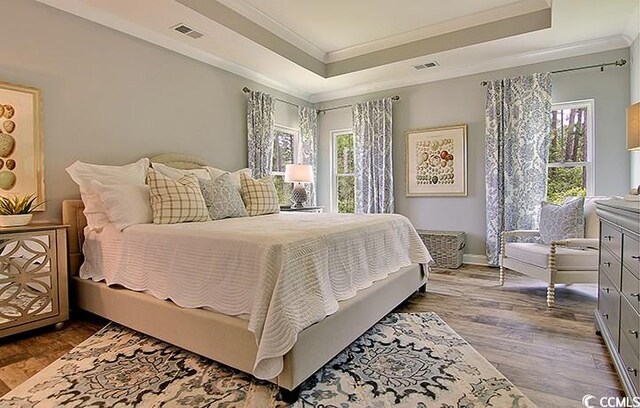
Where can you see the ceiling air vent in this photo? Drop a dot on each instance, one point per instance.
(186, 30)
(426, 65)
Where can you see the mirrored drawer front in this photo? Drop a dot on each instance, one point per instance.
(631, 288)
(629, 322)
(610, 265)
(609, 307)
(631, 254)
(611, 238)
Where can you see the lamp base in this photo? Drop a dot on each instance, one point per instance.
(298, 196)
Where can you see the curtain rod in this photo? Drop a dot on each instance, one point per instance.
(617, 63)
(247, 90)
(394, 98)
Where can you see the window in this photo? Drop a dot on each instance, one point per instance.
(285, 151)
(571, 151)
(343, 180)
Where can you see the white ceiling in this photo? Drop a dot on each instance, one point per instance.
(332, 30)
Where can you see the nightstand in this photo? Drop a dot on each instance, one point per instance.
(33, 277)
(303, 209)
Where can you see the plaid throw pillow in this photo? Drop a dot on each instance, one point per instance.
(259, 196)
(174, 201)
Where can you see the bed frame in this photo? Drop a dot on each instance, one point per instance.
(223, 338)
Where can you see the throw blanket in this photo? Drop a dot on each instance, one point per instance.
(285, 271)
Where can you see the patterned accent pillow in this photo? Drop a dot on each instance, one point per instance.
(564, 221)
(222, 198)
(259, 196)
(174, 201)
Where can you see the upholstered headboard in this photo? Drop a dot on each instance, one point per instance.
(72, 210)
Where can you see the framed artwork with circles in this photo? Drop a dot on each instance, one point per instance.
(436, 161)
(21, 151)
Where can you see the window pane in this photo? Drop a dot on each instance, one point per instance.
(346, 196)
(283, 189)
(564, 182)
(282, 151)
(344, 153)
(568, 135)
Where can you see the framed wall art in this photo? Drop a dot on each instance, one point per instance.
(21, 151)
(436, 161)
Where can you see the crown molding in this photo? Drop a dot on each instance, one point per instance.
(249, 11)
(96, 15)
(511, 61)
(457, 24)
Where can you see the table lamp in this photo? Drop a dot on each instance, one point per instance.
(298, 174)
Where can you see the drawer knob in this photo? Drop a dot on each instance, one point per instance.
(634, 332)
(635, 295)
(605, 290)
(608, 237)
(632, 370)
(636, 257)
(605, 315)
(608, 264)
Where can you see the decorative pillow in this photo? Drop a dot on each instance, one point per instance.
(259, 196)
(564, 221)
(235, 175)
(83, 174)
(174, 201)
(175, 174)
(125, 204)
(222, 198)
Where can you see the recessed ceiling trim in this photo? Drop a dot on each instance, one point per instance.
(235, 21)
(482, 17)
(495, 30)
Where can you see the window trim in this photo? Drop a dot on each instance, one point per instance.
(334, 167)
(297, 152)
(589, 165)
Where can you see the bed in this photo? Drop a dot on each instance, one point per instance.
(222, 337)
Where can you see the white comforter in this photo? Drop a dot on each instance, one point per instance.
(285, 271)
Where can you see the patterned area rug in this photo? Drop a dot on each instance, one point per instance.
(406, 360)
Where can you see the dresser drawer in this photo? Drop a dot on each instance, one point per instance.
(609, 307)
(611, 238)
(631, 288)
(631, 363)
(611, 266)
(631, 254)
(629, 326)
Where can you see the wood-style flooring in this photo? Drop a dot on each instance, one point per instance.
(552, 355)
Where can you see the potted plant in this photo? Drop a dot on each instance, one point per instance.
(17, 210)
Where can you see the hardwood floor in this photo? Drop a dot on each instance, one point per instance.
(553, 356)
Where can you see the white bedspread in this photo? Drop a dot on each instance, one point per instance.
(285, 271)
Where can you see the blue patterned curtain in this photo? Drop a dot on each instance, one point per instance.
(260, 132)
(372, 129)
(308, 119)
(518, 124)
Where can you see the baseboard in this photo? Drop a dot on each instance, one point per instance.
(475, 259)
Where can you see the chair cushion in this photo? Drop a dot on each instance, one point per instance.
(567, 259)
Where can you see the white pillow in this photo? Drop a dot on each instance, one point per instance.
(83, 174)
(177, 174)
(125, 204)
(235, 175)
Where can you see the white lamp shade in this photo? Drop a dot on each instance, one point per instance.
(298, 173)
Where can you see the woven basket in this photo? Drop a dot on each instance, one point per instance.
(446, 247)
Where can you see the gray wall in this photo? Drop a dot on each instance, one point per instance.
(110, 98)
(461, 100)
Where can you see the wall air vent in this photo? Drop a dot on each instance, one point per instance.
(186, 30)
(426, 65)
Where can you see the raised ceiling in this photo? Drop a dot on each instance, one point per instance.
(326, 49)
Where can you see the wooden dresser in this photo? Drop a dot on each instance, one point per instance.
(618, 313)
